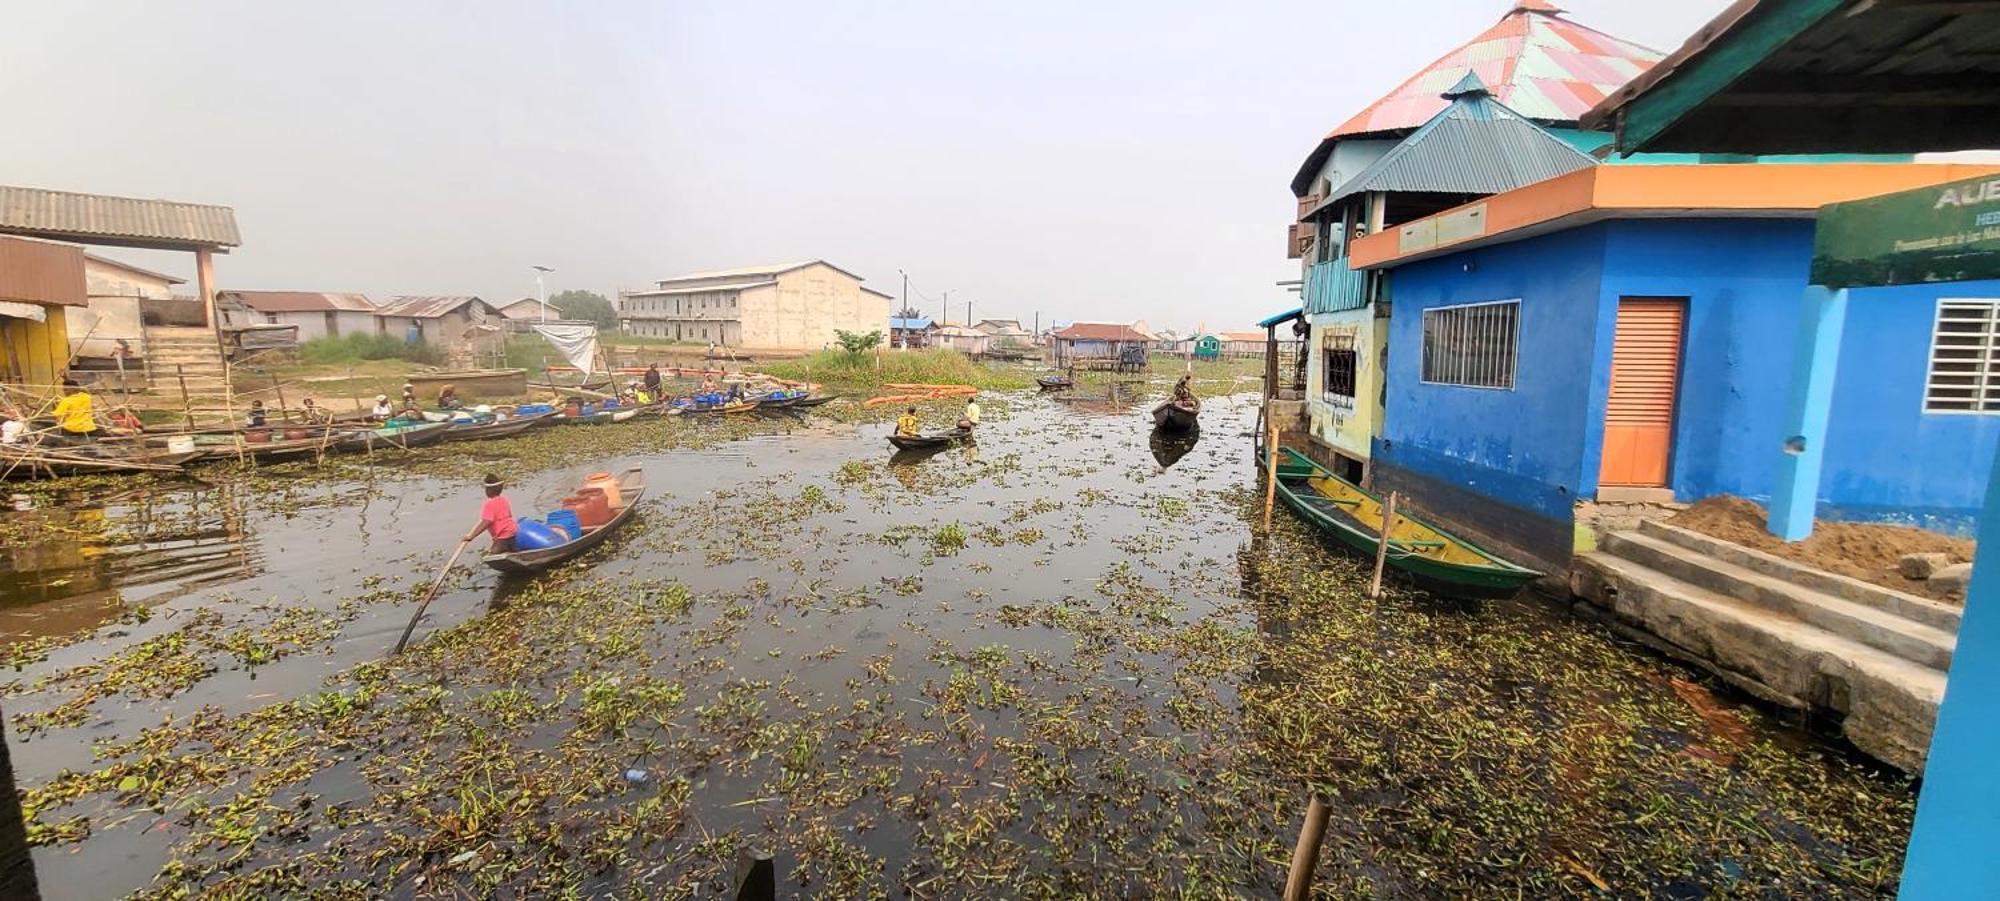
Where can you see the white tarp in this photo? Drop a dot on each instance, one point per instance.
(576, 342)
(23, 311)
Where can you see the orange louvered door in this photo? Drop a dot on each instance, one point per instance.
(1645, 370)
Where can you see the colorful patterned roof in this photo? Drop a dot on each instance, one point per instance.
(1539, 64)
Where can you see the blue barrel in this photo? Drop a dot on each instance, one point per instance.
(566, 521)
(536, 536)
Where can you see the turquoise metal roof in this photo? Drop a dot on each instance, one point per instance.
(1475, 146)
(1282, 318)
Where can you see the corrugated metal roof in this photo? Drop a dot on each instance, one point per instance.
(100, 218)
(300, 301)
(700, 289)
(1539, 64)
(1474, 146)
(755, 272)
(1101, 331)
(914, 324)
(1282, 318)
(960, 331)
(424, 307)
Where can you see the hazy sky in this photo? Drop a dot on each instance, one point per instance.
(1102, 160)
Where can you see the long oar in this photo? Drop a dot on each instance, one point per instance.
(400, 642)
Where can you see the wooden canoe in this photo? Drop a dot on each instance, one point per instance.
(600, 417)
(503, 429)
(814, 401)
(631, 490)
(401, 436)
(1177, 417)
(734, 406)
(1437, 559)
(19, 462)
(1054, 383)
(923, 442)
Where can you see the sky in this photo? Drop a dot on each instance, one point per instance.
(1097, 161)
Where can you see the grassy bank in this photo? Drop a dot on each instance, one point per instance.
(841, 370)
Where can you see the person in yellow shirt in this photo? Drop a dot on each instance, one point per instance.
(971, 416)
(907, 424)
(73, 414)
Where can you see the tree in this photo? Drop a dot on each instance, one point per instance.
(585, 305)
(857, 344)
(909, 313)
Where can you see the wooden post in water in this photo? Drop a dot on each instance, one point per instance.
(1382, 546)
(1305, 855)
(279, 389)
(356, 398)
(1270, 474)
(187, 408)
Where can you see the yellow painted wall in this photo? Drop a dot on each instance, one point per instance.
(1349, 429)
(39, 349)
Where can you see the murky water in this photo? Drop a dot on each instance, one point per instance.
(1059, 659)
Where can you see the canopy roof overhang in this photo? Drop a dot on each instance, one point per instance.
(1816, 76)
(108, 221)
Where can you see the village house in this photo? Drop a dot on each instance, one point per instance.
(527, 309)
(466, 328)
(1005, 332)
(40, 283)
(912, 333)
(1512, 314)
(969, 341)
(789, 306)
(121, 297)
(1104, 345)
(312, 313)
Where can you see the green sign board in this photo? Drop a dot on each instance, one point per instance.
(1947, 233)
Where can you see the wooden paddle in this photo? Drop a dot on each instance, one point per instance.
(400, 642)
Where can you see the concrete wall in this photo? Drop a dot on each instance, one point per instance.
(805, 308)
(1503, 465)
(105, 280)
(1514, 462)
(99, 326)
(1347, 425)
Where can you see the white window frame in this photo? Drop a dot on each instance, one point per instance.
(1986, 396)
(1423, 345)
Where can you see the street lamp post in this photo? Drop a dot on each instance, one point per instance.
(542, 290)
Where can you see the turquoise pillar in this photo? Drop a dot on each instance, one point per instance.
(1817, 357)
(1955, 846)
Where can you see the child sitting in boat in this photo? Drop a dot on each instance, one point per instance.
(256, 419)
(496, 517)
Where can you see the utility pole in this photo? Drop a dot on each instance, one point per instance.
(947, 308)
(542, 290)
(906, 288)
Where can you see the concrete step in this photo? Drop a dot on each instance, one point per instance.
(1888, 703)
(1868, 625)
(1936, 614)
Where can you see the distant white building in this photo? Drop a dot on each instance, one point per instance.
(789, 306)
(118, 292)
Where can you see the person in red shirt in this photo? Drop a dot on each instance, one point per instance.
(496, 516)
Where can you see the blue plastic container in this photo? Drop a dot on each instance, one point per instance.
(536, 536)
(566, 521)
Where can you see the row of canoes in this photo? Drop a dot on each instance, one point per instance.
(169, 453)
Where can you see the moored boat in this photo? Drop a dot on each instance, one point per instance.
(1055, 382)
(924, 442)
(400, 435)
(500, 429)
(30, 462)
(631, 490)
(1437, 559)
(1178, 416)
(814, 400)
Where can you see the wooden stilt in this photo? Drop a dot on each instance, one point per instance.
(279, 389)
(1305, 855)
(1382, 546)
(187, 406)
(1270, 474)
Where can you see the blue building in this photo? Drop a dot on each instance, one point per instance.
(1502, 413)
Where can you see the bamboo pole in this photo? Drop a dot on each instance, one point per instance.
(1270, 474)
(1382, 546)
(356, 398)
(1305, 855)
(187, 406)
(279, 388)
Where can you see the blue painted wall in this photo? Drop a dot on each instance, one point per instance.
(1537, 448)
(1524, 447)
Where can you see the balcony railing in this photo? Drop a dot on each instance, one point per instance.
(1331, 287)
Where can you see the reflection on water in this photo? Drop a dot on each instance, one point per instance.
(78, 565)
(1170, 447)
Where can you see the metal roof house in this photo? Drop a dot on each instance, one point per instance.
(798, 305)
(464, 326)
(912, 333)
(316, 314)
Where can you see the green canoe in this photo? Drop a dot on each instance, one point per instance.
(1437, 559)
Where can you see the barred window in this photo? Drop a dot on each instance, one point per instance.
(1474, 345)
(1964, 373)
(1337, 354)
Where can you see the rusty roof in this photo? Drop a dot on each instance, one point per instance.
(1101, 331)
(300, 301)
(425, 307)
(121, 221)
